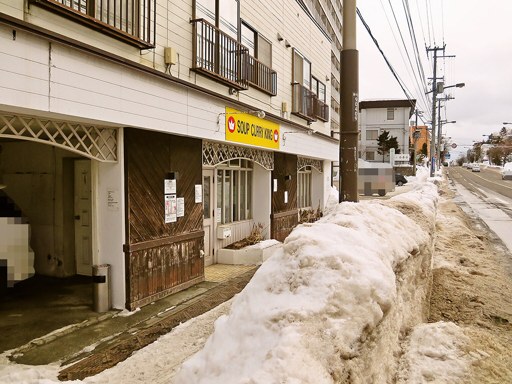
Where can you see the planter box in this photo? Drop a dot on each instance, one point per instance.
(251, 255)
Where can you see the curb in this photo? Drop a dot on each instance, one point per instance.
(120, 351)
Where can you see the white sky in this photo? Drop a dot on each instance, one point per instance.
(478, 33)
(304, 314)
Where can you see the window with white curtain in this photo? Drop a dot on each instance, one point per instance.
(304, 187)
(234, 190)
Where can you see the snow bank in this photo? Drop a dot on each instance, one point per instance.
(331, 305)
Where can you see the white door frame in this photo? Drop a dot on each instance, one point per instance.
(84, 187)
(209, 222)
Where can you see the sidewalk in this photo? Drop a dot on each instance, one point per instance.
(96, 344)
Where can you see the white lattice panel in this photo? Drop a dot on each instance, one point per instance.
(216, 153)
(94, 142)
(305, 161)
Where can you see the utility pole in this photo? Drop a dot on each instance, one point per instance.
(440, 126)
(434, 95)
(415, 136)
(349, 130)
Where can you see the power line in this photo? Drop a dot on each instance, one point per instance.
(400, 82)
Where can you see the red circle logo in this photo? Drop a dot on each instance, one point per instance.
(276, 135)
(231, 124)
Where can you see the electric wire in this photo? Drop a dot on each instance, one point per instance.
(395, 74)
(420, 77)
(415, 77)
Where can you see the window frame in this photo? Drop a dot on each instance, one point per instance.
(304, 187)
(233, 198)
(297, 53)
(217, 22)
(315, 87)
(372, 131)
(390, 114)
(257, 36)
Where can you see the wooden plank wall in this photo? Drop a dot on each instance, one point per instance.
(160, 257)
(284, 216)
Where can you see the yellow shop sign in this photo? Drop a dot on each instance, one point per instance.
(248, 129)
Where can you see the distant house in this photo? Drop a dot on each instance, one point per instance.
(377, 116)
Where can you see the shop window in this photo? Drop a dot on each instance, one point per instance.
(304, 187)
(234, 191)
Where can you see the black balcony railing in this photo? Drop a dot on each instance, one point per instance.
(321, 110)
(218, 55)
(132, 21)
(303, 102)
(261, 76)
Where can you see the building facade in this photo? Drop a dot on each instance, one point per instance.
(420, 143)
(148, 134)
(378, 116)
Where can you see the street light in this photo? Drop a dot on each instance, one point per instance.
(458, 85)
(436, 88)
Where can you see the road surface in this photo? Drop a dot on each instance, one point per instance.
(488, 196)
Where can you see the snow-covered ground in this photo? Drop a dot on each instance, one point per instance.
(315, 311)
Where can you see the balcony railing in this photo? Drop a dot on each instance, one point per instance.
(218, 55)
(260, 76)
(303, 102)
(131, 21)
(321, 110)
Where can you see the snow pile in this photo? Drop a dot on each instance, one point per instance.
(309, 309)
(434, 353)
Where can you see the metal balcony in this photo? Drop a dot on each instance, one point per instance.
(261, 76)
(303, 102)
(320, 110)
(219, 56)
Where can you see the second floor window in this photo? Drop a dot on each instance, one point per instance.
(301, 70)
(372, 134)
(223, 14)
(318, 89)
(258, 46)
(390, 114)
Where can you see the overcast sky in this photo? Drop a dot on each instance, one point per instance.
(478, 33)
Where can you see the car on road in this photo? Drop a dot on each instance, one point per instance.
(506, 173)
(475, 168)
(400, 179)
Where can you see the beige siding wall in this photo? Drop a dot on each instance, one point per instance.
(173, 29)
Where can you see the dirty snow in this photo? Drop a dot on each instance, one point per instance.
(314, 307)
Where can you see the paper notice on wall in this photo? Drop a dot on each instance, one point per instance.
(218, 215)
(275, 185)
(170, 208)
(169, 186)
(198, 193)
(286, 197)
(180, 207)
